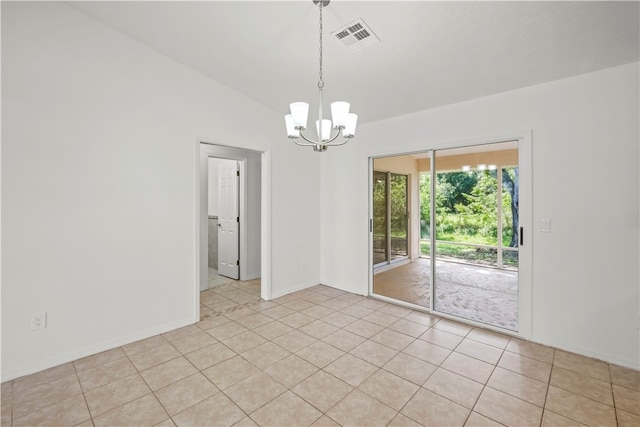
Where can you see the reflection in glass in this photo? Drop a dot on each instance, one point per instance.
(398, 195)
(380, 210)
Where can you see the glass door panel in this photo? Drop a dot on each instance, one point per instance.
(380, 223)
(510, 217)
(393, 276)
(425, 214)
(474, 224)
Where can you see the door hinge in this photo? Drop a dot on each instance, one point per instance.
(238, 262)
(237, 219)
(237, 173)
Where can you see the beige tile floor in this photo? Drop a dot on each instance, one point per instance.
(324, 357)
(214, 279)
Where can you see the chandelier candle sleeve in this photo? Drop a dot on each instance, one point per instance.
(292, 132)
(350, 129)
(340, 114)
(299, 112)
(326, 129)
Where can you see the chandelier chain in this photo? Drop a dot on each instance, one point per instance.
(320, 81)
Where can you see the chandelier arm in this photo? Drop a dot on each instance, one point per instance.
(332, 139)
(303, 144)
(308, 140)
(337, 144)
(327, 142)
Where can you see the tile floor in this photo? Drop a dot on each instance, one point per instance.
(214, 279)
(324, 357)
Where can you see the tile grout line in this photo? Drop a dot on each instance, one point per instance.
(75, 371)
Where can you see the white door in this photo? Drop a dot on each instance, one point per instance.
(228, 220)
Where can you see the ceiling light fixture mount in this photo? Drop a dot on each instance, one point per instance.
(343, 121)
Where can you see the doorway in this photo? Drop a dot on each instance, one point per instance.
(239, 189)
(467, 217)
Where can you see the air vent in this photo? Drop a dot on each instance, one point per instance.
(342, 34)
(356, 35)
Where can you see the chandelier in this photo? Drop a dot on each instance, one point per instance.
(343, 121)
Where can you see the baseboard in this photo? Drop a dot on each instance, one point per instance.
(70, 356)
(288, 291)
(608, 358)
(252, 275)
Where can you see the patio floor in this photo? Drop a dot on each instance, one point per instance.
(483, 294)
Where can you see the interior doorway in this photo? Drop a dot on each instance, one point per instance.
(466, 214)
(230, 209)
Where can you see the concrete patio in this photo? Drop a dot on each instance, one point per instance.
(484, 294)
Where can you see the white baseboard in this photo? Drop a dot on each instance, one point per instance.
(608, 358)
(287, 291)
(90, 350)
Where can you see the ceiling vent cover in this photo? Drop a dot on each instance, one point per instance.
(356, 35)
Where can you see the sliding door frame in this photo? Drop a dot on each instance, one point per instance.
(525, 254)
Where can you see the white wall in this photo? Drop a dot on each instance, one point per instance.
(102, 132)
(585, 179)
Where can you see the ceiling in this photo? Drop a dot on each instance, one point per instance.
(430, 54)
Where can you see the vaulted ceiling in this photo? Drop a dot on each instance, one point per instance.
(430, 54)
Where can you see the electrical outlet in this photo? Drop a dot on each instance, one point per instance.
(38, 320)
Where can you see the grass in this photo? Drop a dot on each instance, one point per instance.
(482, 256)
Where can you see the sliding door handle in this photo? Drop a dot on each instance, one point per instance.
(521, 236)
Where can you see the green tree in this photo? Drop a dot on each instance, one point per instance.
(425, 205)
(510, 185)
(453, 186)
(479, 213)
(398, 194)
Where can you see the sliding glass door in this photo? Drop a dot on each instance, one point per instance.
(467, 223)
